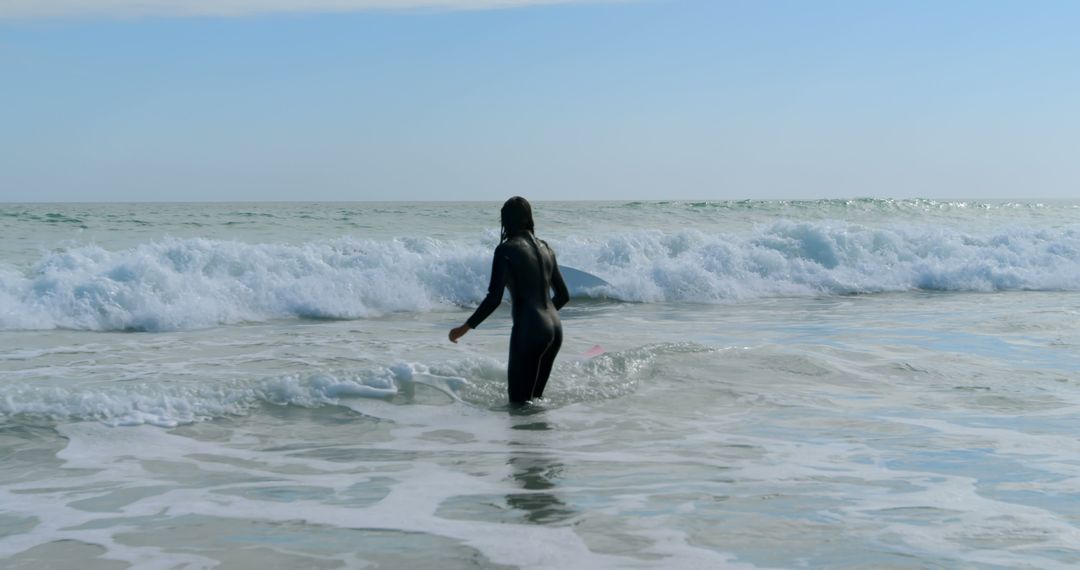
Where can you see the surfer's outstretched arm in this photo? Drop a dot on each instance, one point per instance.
(491, 301)
(499, 271)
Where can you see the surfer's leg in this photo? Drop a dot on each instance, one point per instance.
(547, 360)
(522, 368)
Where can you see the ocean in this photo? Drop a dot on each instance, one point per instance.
(760, 384)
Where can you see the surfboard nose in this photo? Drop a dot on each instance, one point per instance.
(580, 282)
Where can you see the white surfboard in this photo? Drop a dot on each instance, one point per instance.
(580, 283)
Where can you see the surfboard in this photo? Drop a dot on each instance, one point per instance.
(580, 282)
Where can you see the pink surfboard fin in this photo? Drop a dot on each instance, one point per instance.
(594, 351)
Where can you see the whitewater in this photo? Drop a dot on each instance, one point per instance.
(759, 384)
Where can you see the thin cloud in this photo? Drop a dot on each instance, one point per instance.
(31, 9)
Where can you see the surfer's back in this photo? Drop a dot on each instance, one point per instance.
(531, 267)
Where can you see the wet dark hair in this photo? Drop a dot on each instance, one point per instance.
(516, 217)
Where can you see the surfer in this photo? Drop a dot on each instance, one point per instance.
(527, 266)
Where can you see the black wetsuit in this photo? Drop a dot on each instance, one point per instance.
(527, 266)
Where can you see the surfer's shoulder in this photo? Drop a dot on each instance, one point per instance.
(546, 246)
(505, 250)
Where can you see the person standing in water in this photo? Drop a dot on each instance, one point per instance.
(527, 266)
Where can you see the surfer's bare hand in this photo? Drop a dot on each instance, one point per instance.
(458, 332)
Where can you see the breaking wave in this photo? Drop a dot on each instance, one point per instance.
(193, 283)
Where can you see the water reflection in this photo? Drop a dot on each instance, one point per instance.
(536, 472)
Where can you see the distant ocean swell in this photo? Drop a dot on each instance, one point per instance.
(191, 283)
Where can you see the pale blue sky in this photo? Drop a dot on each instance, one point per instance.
(649, 99)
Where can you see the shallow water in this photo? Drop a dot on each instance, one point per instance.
(905, 428)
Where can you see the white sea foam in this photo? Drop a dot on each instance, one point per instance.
(172, 404)
(191, 283)
(476, 381)
(802, 258)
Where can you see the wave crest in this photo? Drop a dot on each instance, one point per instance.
(802, 258)
(191, 283)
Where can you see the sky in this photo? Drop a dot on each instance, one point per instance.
(236, 100)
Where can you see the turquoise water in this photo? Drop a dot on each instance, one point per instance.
(844, 384)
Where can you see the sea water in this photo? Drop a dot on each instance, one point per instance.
(807, 384)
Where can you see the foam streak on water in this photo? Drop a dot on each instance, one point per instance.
(843, 384)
